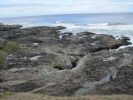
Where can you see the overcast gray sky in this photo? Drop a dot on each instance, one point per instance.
(12, 8)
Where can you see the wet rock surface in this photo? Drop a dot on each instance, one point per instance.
(57, 64)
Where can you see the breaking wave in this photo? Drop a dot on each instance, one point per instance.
(116, 29)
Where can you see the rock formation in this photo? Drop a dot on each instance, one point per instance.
(52, 63)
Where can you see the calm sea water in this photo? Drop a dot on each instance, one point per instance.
(116, 24)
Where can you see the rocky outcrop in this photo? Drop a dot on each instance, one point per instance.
(86, 42)
(9, 27)
(92, 74)
(56, 64)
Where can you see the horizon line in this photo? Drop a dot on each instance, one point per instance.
(65, 14)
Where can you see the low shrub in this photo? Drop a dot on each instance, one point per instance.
(59, 66)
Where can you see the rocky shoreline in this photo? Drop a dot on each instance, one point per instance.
(43, 60)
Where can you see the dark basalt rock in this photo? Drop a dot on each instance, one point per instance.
(125, 41)
(9, 27)
(67, 33)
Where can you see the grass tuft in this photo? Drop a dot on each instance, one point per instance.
(6, 94)
(3, 55)
(59, 66)
(10, 47)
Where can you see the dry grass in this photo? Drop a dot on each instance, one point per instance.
(30, 96)
(5, 95)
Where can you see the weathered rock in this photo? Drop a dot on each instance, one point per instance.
(90, 76)
(2, 41)
(101, 41)
(122, 84)
(67, 33)
(87, 64)
(125, 41)
(9, 27)
(86, 42)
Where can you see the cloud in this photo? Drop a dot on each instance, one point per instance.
(40, 7)
(101, 5)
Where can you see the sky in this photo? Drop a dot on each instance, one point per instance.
(14, 8)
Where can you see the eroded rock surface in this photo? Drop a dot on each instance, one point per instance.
(46, 63)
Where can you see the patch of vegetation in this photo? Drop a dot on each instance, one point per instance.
(10, 47)
(6, 94)
(59, 66)
(3, 55)
(31, 96)
(5, 49)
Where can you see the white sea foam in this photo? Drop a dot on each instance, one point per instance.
(115, 29)
(118, 30)
(101, 26)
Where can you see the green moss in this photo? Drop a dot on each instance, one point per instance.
(59, 66)
(3, 55)
(10, 47)
(5, 94)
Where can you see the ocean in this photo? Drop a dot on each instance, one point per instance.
(116, 24)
